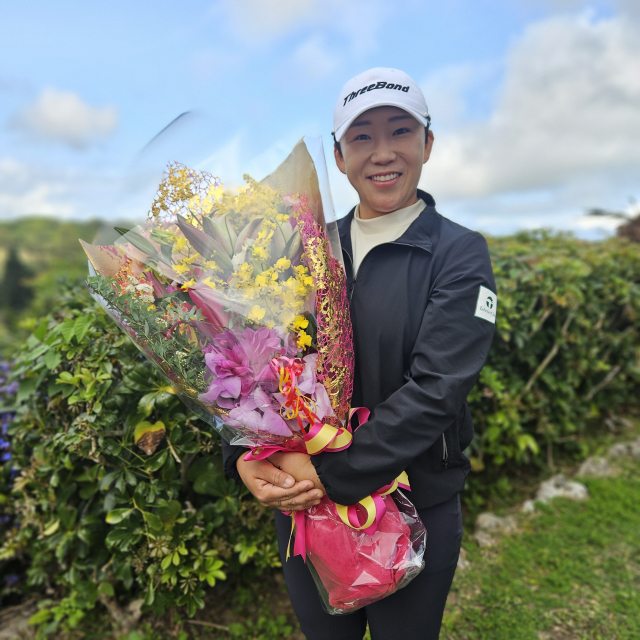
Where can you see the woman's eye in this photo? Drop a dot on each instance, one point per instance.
(400, 131)
(362, 136)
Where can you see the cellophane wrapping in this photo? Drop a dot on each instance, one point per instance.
(352, 569)
(218, 288)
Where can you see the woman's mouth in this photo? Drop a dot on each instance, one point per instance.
(384, 180)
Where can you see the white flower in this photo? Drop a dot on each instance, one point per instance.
(240, 258)
(144, 287)
(133, 280)
(147, 299)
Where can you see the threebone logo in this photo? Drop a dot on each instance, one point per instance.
(371, 87)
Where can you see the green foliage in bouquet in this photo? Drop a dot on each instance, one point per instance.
(119, 492)
(566, 352)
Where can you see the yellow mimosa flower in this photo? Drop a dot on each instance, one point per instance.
(181, 268)
(304, 340)
(283, 264)
(256, 314)
(299, 323)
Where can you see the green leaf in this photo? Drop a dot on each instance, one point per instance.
(157, 460)
(106, 588)
(41, 616)
(52, 528)
(67, 330)
(82, 325)
(190, 447)
(117, 515)
(108, 479)
(52, 359)
(141, 243)
(151, 596)
(211, 483)
(152, 520)
(527, 441)
(26, 388)
(38, 351)
(169, 513)
(41, 330)
(204, 464)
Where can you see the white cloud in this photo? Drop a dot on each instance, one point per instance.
(34, 189)
(355, 23)
(313, 59)
(59, 116)
(23, 192)
(266, 21)
(569, 110)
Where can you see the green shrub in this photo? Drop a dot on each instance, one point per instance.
(100, 521)
(566, 350)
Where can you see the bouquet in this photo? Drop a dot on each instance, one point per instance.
(240, 301)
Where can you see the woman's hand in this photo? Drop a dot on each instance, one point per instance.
(299, 466)
(275, 488)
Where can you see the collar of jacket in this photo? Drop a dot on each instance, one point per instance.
(417, 235)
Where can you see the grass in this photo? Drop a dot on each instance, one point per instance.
(573, 572)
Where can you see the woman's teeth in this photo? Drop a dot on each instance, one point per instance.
(389, 176)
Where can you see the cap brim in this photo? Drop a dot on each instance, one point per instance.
(342, 129)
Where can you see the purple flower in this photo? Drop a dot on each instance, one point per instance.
(237, 362)
(255, 412)
(261, 346)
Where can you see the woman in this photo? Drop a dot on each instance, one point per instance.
(423, 305)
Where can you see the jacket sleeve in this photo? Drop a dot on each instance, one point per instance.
(450, 350)
(230, 455)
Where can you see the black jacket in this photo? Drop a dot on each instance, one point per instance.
(422, 332)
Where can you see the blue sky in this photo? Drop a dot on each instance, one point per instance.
(535, 103)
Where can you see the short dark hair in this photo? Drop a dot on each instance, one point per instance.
(337, 144)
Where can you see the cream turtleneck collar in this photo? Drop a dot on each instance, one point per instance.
(367, 234)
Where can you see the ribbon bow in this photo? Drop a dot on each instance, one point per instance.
(374, 510)
(318, 436)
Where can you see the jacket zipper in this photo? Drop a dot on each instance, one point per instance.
(445, 453)
(353, 278)
(351, 288)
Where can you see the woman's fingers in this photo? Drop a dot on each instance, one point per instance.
(295, 503)
(276, 488)
(271, 474)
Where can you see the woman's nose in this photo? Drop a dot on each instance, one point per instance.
(383, 153)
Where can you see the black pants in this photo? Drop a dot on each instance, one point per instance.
(413, 613)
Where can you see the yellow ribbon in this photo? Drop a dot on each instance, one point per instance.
(343, 439)
(369, 504)
(403, 478)
(321, 439)
(394, 486)
(293, 526)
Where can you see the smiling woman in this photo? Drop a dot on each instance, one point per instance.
(414, 279)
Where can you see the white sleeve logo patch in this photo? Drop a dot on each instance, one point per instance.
(487, 305)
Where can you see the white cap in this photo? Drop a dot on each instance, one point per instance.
(378, 87)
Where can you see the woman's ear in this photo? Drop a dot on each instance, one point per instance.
(339, 159)
(428, 144)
